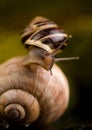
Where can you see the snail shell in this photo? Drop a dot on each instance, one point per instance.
(44, 33)
(31, 94)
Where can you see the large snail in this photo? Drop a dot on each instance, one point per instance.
(28, 91)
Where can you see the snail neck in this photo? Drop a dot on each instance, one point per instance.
(39, 56)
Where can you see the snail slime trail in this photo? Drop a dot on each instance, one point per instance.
(28, 92)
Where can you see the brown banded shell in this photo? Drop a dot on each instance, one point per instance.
(42, 32)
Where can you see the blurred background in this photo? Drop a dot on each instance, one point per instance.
(75, 17)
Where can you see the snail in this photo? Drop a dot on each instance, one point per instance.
(44, 39)
(29, 93)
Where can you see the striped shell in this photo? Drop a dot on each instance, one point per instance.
(43, 33)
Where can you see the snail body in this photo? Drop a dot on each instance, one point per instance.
(28, 93)
(43, 38)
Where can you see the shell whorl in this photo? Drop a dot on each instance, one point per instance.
(29, 94)
(15, 106)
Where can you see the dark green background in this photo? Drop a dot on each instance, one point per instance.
(75, 17)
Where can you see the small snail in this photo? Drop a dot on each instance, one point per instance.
(44, 39)
(28, 92)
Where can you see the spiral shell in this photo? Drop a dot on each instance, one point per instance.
(43, 33)
(31, 94)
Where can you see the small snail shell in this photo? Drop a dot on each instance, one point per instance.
(30, 93)
(43, 33)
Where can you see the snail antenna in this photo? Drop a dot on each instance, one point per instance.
(63, 59)
(58, 48)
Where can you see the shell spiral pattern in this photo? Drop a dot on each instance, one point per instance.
(29, 94)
